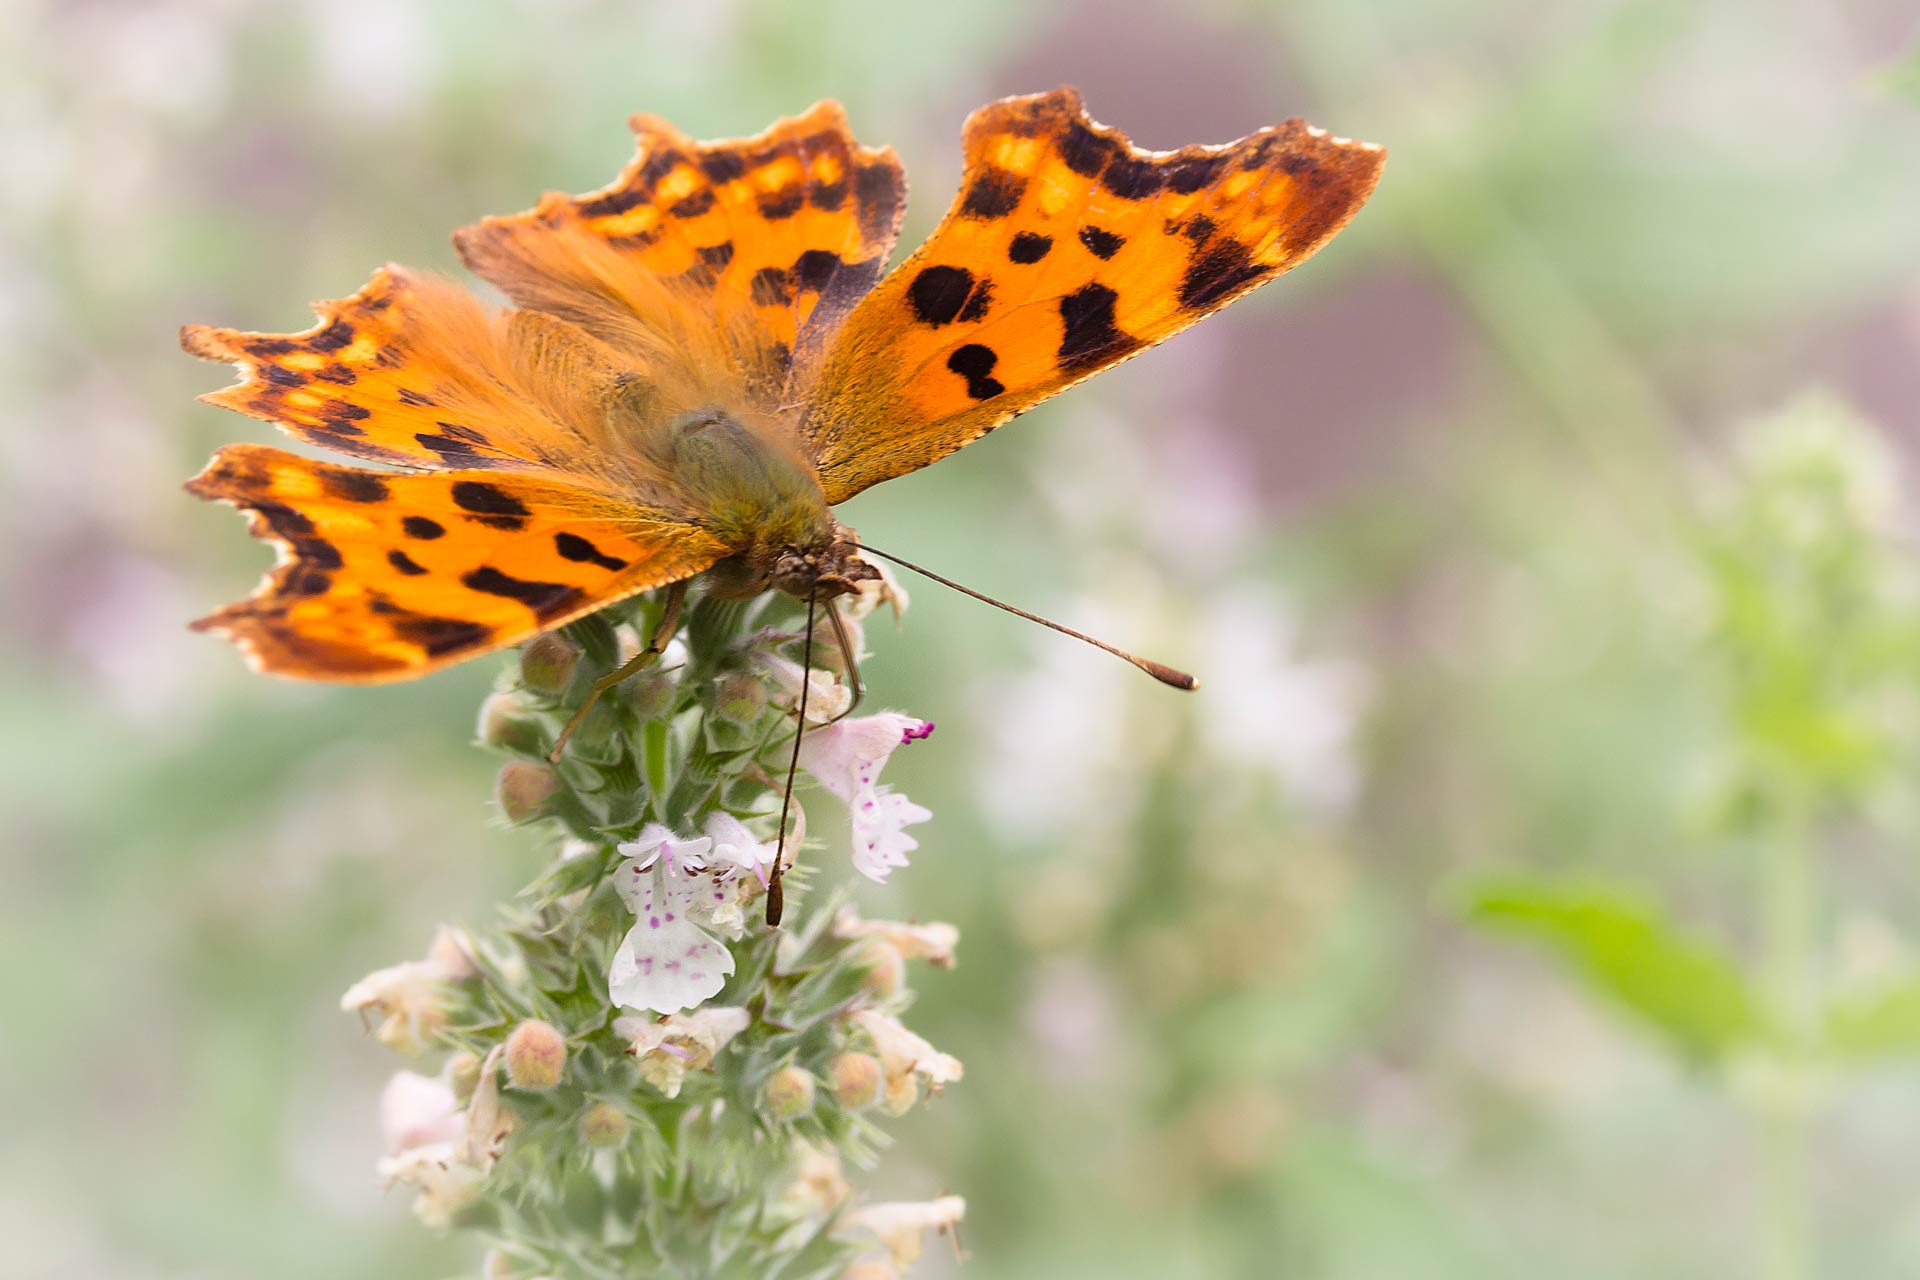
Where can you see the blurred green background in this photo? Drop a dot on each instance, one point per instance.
(1530, 890)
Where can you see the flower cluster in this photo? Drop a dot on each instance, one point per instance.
(631, 1035)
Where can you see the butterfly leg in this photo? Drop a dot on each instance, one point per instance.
(662, 633)
(848, 656)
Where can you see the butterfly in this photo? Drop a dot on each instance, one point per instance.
(704, 358)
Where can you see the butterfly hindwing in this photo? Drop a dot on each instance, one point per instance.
(775, 237)
(1066, 251)
(388, 576)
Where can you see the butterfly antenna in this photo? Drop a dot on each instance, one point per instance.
(776, 897)
(1158, 670)
(848, 656)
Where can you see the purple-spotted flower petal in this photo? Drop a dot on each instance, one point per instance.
(846, 757)
(667, 962)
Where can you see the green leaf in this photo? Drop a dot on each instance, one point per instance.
(1877, 1024)
(1624, 947)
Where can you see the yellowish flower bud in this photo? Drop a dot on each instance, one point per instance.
(741, 698)
(523, 789)
(603, 1125)
(856, 1080)
(536, 1055)
(547, 663)
(463, 1072)
(506, 722)
(790, 1093)
(883, 968)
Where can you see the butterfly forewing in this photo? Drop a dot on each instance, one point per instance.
(1066, 251)
(774, 237)
(387, 576)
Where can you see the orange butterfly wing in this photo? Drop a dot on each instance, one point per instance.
(527, 507)
(1067, 251)
(773, 238)
(388, 576)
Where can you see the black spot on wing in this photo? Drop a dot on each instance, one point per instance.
(1028, 247)
(1131, 178)
(722, 166)
(812, 269)
(1216, 273)
(784, 203)
(771, 287)
(938, 294)
(1089, 336)
(422, 528)
(694, 205)
(441, 635)
(542, 597)
(404, 563)
(572, 546)
(415, 399)
(354, 486)
(1084, 151)
(1101, 243)
(489, 505)
(994, 194)
(975, 362)
(333, 337)
(717, 256)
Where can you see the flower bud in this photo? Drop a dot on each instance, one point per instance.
(856, 1080)
(651, 692)
(883, 970)
(506, 723)
(870, 1269)
(523, 789)
(463, 1073)
(790, 1093)
(536, 1055)
(740, 697)
(603, 1125)
(547, 663)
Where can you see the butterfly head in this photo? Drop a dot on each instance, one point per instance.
(833, 568)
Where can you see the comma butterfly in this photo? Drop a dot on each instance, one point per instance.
(704, 358)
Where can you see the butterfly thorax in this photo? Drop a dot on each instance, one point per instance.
(757, 493)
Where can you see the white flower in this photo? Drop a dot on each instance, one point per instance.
(440, 1149)
(419, 1111)
(899, 1224)
(846, 758)
(738, 866)
(871, 593)
(667, 962)
(668, 1048)
(411, 997)
(907, 1059)
(932, 942)
(826, 696)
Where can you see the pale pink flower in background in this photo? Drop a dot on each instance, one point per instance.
(846, 758)
(410, 998)
(667, 962)
(419, 1111)
(668, 1048)
(933, 942)
(1291, 716)
(907, 1059)
(826, 696)
(433, 1145)
(900, 1225)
